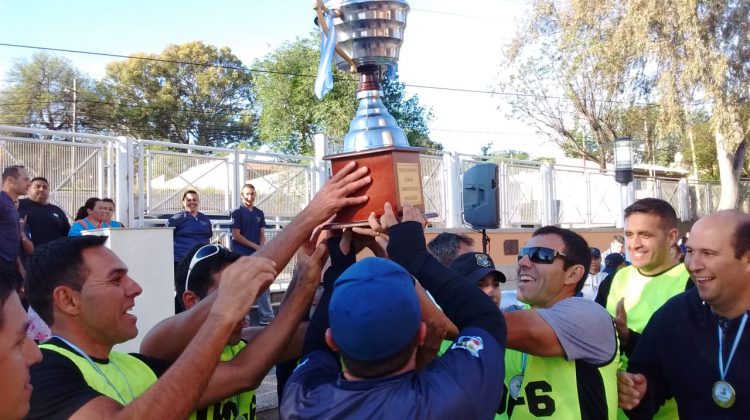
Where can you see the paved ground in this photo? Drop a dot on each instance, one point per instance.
(266, 399)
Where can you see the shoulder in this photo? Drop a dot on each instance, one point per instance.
(59, 387)
(584, 328)
(158, 366)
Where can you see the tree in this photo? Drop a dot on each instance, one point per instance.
(290, 114)
(691, 53)
(41, 94)
(564, 92)
(410, 115)
(190, 94)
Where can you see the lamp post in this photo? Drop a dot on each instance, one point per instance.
(624, 170)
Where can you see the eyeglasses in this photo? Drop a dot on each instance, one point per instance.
(204, 252)
(542, 255)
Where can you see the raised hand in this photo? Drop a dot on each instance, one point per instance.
(631, 387)
(621, 322)
(335, 193)
(241, 282)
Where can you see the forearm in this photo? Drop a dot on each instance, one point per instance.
(283, 246)
(187, 378)
(315, 335)
(167, 339)
(464, 304)
(247, 370)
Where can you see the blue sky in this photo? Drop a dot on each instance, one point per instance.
(447, 44)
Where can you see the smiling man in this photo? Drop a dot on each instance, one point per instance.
(703, 362)
(564, 358)
(640, 289)
(83, 291)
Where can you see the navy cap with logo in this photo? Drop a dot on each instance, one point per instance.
(595, 253)
(374, 310)
(474, 266)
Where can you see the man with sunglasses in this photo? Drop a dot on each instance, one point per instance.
(562, 353)
(83, 291)
(638, 290)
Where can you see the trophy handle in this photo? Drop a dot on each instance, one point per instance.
(319, 9)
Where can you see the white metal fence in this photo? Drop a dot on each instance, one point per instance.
(147, 179)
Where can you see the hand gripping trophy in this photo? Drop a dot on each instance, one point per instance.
(367, 35)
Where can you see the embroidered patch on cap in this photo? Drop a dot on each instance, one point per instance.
(471, 343)
(482, 260)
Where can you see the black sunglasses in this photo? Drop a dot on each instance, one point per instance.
(542, 255)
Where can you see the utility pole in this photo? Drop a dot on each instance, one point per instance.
(75, 101)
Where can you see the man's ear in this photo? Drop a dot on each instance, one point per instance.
(672, 236)
(330, 341)
(189, 299)
(67, 300)
(574, 274)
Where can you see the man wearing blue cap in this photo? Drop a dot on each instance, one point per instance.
(479, 269)
(371, 318)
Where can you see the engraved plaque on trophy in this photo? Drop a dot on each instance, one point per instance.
(368, 36)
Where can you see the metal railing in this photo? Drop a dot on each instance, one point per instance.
(147, 179)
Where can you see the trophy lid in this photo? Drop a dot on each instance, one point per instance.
(370, 32)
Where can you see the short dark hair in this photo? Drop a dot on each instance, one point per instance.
(619, 239)
(381, 367)
(576, 250)
(189, 192)
(40, 178)
(8, 285)
(13, 171)
(741, 237)
(108, 200)
(656, 207)
(200, 277)
(57, 263)
(445, 246)
(248, 185)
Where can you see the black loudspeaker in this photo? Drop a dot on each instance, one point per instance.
(481, 206)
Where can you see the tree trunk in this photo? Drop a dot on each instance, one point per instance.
(729, 169)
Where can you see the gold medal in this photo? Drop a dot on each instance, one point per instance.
(514, 386)
(723, 394)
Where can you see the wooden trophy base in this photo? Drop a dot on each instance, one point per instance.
(396, 179)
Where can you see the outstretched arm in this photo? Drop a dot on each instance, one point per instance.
(250, 366)
(175, 393)
(169, 337)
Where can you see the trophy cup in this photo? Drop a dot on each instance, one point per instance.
(368, 36)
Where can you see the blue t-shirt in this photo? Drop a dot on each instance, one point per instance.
(466, 382)
(249, 222)
(10, 235)
(189, 231)
(84, 224)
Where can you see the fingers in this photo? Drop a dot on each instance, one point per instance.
(411, 214)
(388, 218)
(630, 389)
(345, 245)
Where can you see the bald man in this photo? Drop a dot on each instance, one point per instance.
(696, 348)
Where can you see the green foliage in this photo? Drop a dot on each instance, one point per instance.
(191, 94)
(290, 114)
(411, 116)
(40, 94)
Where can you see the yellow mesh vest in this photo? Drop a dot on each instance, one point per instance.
(643, 296)
(126, 374)
(228, 408)
(550, 388)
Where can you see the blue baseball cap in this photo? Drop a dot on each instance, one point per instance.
(374, 311)
(474, 266)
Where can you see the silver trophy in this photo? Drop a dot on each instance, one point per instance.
(369, 34)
